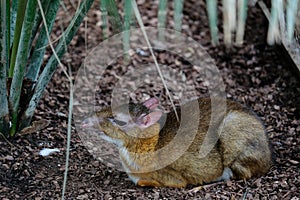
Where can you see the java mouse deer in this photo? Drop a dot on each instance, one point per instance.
(241, 150)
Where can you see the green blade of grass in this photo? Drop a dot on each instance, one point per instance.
(21, 62)
(17, 34)
(52, 62)
(115, 17)
(4, 115)
(104, 20)
(42, 40)
(178, 6)
(212, 11)
(162, 16)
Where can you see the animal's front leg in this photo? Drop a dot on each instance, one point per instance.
(148, 183)
(161, 178)
(167, 181)
(144, 180)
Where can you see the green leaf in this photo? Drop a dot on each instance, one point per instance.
(7, 35)
(211, 6)
(42, 40)
(17, 33)
(126, 35)
(38, 19)
(273, 32)
(4, 115)
(115, 17)
(291, 14)
(21, 62)
(162, 16)
(242, 15)
(52, 62)
(178, 6)
(104, 18)
(127, 15)
(13, 19)
(229, 20)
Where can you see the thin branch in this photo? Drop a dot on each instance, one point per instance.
(139, 19)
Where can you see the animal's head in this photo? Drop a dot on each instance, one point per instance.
(126, 122)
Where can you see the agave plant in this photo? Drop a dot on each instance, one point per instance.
(23, 38)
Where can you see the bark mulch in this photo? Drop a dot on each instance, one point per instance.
(255, 74)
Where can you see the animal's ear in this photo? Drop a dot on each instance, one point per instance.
(151, 103)
(149, 119)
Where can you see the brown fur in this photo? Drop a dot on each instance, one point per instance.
(240, 144)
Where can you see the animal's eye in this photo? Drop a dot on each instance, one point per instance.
(120, 123)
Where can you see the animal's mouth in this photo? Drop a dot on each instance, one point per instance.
(90, 121)
(91, 125)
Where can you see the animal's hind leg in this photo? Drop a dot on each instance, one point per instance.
(244, 145)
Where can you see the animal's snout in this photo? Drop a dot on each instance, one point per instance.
(91, 122)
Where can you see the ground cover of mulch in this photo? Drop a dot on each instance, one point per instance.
(255, 74)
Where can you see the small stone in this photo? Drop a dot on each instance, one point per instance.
(10, 158)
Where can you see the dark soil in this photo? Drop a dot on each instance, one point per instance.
(255, 74)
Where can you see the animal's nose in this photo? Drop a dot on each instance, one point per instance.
(90, 122)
